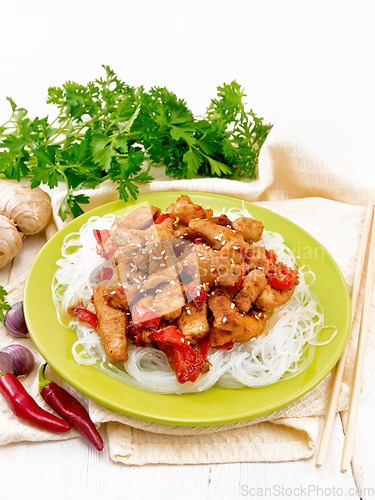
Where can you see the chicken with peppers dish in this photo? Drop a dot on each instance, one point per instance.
(185, 281)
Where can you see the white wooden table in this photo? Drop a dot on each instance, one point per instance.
(72, 469)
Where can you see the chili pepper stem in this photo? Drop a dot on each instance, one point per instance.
(42, 380)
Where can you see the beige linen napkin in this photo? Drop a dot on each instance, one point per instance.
(288, 167)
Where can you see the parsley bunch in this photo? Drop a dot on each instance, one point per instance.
(110, 130)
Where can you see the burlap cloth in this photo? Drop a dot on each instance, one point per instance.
(311, 188)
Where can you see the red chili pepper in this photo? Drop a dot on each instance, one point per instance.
(25, 408)
(144, 317)
(69, 408)
(161, 218)
(84, 315)
(105, 247)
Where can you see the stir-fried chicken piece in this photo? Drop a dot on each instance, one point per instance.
(128, 272)
(236, 248)
(213, 268)
(141, 261)
(159, 232)
(169, 300)
(255, 323)
(184, 210)
(251, 288)
(271, 298)
(214, 235)
(219, 337)
(256, 257)
(193, 323)
(208, 263)
(123, 236)
(163, 276)
(222, 220)
(232, 278)
(140, 218)
(242, 326)
(185, 232)
(112, 327)
(130, 278)
(115, 297)
(250, 229)
(143, 333)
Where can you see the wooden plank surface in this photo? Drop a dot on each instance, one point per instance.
(81, 472)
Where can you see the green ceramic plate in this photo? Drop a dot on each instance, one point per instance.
(216, 405)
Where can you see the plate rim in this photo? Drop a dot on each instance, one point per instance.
(209, 421)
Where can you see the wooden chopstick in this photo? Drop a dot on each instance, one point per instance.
(340, 367)
(359, 360)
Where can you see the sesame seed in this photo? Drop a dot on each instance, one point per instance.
(203, 258)
(225, 320)
(188, 311)
(168, 293)
(212, 269)
(200, 328)
(232, 305)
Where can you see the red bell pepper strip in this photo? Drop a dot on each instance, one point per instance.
(84, 315)
(104, 274)
(227, 347)
(196, 293)
(105, 247)
(204, 346)
(161, 218)
(144, 317)
(280, 276)
(26, 408)
(69, 408)
(169, 334)
(187, 362)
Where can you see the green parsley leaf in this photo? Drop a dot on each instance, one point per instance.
(4, 306)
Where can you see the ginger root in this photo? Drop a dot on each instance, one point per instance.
(10, 241)
(30, 209)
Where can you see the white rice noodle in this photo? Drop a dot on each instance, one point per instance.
(283, 350)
